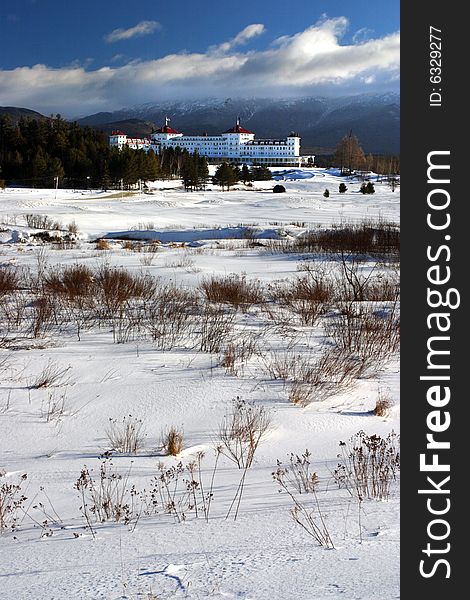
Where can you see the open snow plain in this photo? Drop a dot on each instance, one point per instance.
(74, 367)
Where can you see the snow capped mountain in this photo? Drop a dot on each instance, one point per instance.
(321, 121)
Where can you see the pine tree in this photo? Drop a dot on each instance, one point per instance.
(131, 167)
(105, 181)
(367, 188)
(54, 170)
(225, 176)
(152, 167)
(261, 174)
(203, 172)
(326, 193)
(342, 188)
(245, 174)
(189, 173)
(39, 167)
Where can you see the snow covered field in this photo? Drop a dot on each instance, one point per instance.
(51, 432)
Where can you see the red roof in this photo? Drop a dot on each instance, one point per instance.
(166, 129)
(238, 129)
(117, 132)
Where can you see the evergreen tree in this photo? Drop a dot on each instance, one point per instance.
(261, 174)
(367, 188)
(203, 172)
(342, 188)
(105, 180)
(39, 167)
(370, 188)
(245, 174)
(237, 172)
(189, 171)
(54, 170)
(326, 193)
(131, 167)
(225, 176)
(152, 171)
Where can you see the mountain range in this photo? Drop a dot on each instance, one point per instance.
(321, 122)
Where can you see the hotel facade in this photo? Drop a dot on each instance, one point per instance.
(237, 145)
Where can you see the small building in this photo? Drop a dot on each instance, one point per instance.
(237, 145)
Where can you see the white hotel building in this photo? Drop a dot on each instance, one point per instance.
(234, 145)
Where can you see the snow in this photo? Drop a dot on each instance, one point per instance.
(261, 555)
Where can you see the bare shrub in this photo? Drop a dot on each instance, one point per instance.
(181, 261)
(54, 408)
(229, 358)
(102, 244)
(353, 282)
(242, 430)
(293, 366)
(118, 286)
(298, 473)
(9, 281)
(12, 501)
(168, 316)
(236, 355)
(216, 328)
(148, 226)
(74, 282)
(371, 332)
(51, 376)
(181, 489)
(233, 289)
(308, 297)
(42, 315)
(366, 238)
(76, 288)
(105, 496)
(72, 227)
(383, 405)
(148, 253)
(146, 260)
(383, 287)
(282, 246)
(295, 480)
(172, 441)
(313, 378)
(368, 465)
(13, 310)
(300, 393)
(359, 281)
(280, 317)
(41, 222)
(126, 436)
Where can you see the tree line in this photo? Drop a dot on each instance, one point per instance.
(35, 153)
(349, 157)
(40, 153)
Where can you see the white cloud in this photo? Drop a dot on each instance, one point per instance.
(142, 28)
(241, 38)
(312, 61)
(362, 35)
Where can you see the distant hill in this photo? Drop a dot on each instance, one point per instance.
(16, 113)
(133, 127)
(322, 122)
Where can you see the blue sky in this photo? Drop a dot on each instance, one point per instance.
(99, 54)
